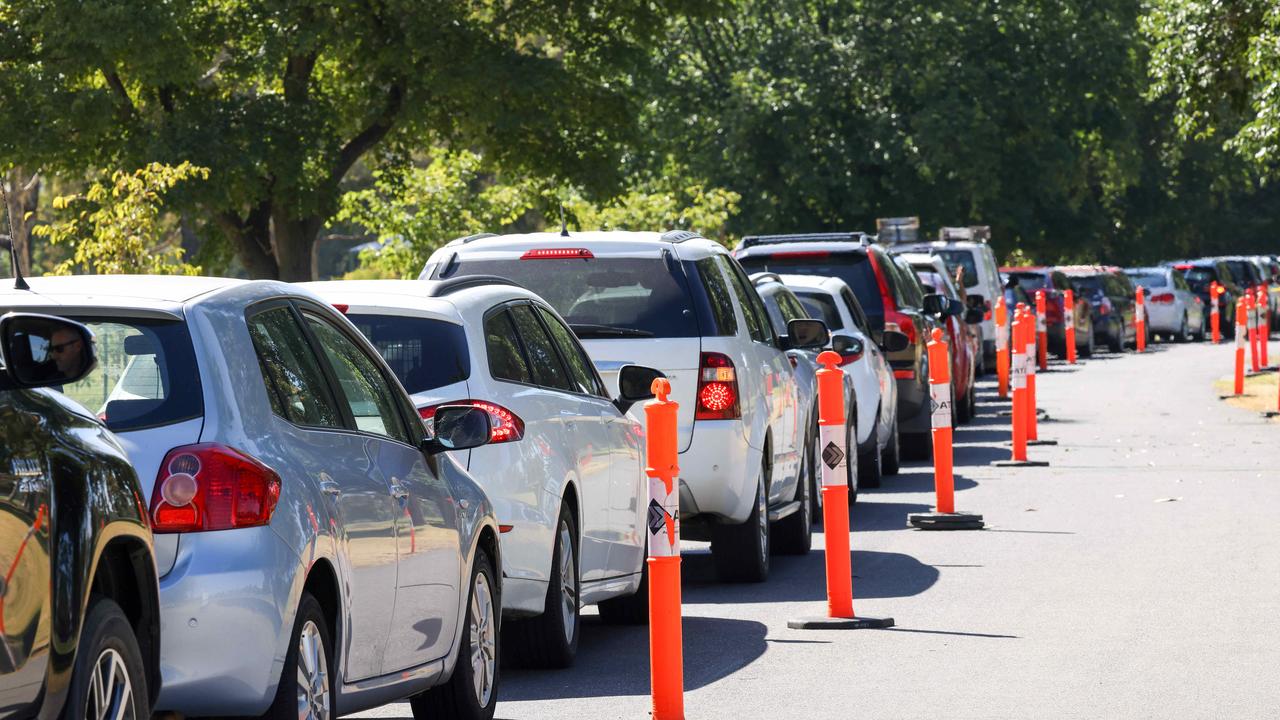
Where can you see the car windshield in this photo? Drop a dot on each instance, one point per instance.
(852, 267)
(1091, 285)
(1149, 279)
(1029, 280)
(424, 353)
(821, 306)
(146, 374)
(603, 297)
(961, 259)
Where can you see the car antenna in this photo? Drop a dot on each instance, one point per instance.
(564, 227)
(18, 282)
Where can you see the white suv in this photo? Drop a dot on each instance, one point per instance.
(563, 466)
(966, 247)
(682, 304)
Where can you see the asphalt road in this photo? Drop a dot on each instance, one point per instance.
(1138, 576)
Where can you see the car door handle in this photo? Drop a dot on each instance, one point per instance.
(329, 487)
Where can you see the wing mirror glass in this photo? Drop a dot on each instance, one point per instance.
(807, 334)
(847, 345)
(458, 427)
(894, 341)
(635, 384)
(43, 351)
(934, 304)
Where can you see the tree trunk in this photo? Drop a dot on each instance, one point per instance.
(294, 240)
(251, 236)
(23, 193)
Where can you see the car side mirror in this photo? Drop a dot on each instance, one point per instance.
(977, 301)
(458, 427)
(974, 315)
(934, 304)
(807, 334)
(849, 347)
(44, 351)
(954, 308)
(894, 341)
(635, 384)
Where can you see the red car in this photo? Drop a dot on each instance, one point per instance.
(961, 330)
(1054, 284)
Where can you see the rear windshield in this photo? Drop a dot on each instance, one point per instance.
(1149, 279)
(961, 259)
(852, 267)
(821, 306)
(604, 297)
(425, 354)
(1092, 284)
(1029, 281)
(1242, 271)
(146, 374)
(1198, 277)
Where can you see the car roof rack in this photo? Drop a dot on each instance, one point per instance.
(754, 240)
(441, 288)
(760, 277)
(897, 230)
(473, 238)
(679, 236)
(971, 233)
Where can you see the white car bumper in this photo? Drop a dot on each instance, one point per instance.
(718, 472)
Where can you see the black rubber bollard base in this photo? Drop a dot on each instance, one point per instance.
(1228, 397)
(1260, 373)
(1270, 414)
(945, 521)
(1042, 442)
(830, 623)
(1020, 463)
(1040, 413)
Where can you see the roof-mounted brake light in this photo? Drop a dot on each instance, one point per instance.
(558, 254)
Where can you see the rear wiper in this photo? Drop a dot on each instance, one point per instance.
(589, 330)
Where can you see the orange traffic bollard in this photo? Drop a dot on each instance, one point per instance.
(1251, 324)
(1241, 329)
(1215, 320)
(1264, 325)
(1029, 416)
(1042, 332)
(1002, 347)
(835, 505)
(666, 644)
(1021, 363)
(1140, 321)
(1069, 324)
(944, 516)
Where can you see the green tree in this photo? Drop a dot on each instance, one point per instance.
(117, 224)
(281, 98)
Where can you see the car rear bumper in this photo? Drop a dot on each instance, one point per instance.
(1164, 318)
(226, 614)
(718, 472)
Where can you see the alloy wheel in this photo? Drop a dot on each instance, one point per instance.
(762, 514)
(313, 675)
(484, 640)
(110, 692)
(568, 582)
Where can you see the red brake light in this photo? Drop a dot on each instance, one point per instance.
(1163, 298)
(212, 487)
(557, 254)
(341, 308)
(504, 425)
(717, 389)
(904, 374)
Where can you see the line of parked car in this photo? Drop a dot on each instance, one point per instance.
(248, 498)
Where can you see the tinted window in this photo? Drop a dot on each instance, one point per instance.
(367, 393)
(296, 386)
(748, 300)
(1179, 282)
(822, 306)
(1090, 286)
(855, 309)
(506, 358)
(424, 354)
(146, 374)
(907, 289)
(718, 296)
(581, 371)
(1149, 279)
(791, 307)
(961, 259)
(1199, 278)
(644, 295)
(852, 267)
(773, 307)
(1029, 281)
(544, 363)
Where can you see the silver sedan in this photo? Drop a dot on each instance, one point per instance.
(1173, 309)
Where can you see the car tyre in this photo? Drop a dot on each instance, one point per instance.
(306, 683)
(550, 639)
(471, 693)
(108, 653)
(794, 533)
(1090, 343)
(891, 456)
(741, 550)
(870, 465)
(1115, 340)
(918, 446)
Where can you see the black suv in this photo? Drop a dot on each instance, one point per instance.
(902, 317)
(79, 605)
(1200, 274)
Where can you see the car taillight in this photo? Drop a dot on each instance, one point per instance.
(899, 322)
(212, 487)
(717, 389)
(557, 254)
(1162, 298)
(1053, 309)
(504, 425)
(987, 316)
(340, 307)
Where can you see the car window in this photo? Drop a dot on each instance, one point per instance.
(506, 357)
(1179, 281)
(544, 362)
(854, 305)
(961, 259)
(773, 307)
(581, 371)
(295, 384)
(822, 306)
(146, 374)
(366, 391)
(854, 268)
(718, 296)
(1149, 279)
(424, 353)
(1029, 280)
(791, 307)
(908, 290)
(753, 312)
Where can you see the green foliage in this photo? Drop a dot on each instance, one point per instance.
(117, 226)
